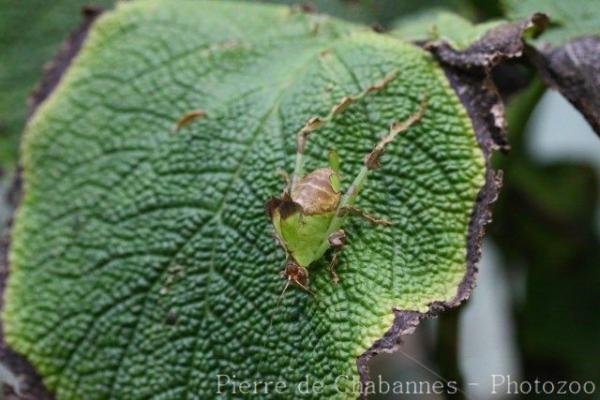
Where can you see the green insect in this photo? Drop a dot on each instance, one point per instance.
(308, 218)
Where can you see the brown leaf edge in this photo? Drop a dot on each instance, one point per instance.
(32, 387)
(500, 45)
(574, 70)
(469, 74)
(497, 45)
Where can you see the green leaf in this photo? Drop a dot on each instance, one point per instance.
(378, 11)
(569, 19)
(30, 35)
(142, 262)
(441, 25)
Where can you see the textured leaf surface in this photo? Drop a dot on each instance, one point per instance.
(142, 263)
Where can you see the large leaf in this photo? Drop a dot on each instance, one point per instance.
(142, 262)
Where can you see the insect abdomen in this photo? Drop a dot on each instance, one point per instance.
(316, 192)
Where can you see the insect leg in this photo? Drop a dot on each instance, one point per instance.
(315, 123)
(371, 160)
(364, 215)
(286, 178)
(336, 240)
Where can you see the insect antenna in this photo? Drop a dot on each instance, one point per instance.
(302, 287)
(278, 304)
(280, 298)
(285, 288)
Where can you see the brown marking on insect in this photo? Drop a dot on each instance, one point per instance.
(285, 206)
(342, 105)
(326, 55)
(271, 205)
(315, 193)
(337, 239)
(189, 117)
(383, 82)
(311, 125)
(295, 273)
(316, 21)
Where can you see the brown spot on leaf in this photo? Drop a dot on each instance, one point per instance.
(189, 117)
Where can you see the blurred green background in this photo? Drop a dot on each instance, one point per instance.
(535, 313)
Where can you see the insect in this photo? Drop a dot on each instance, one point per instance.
(308, 218)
